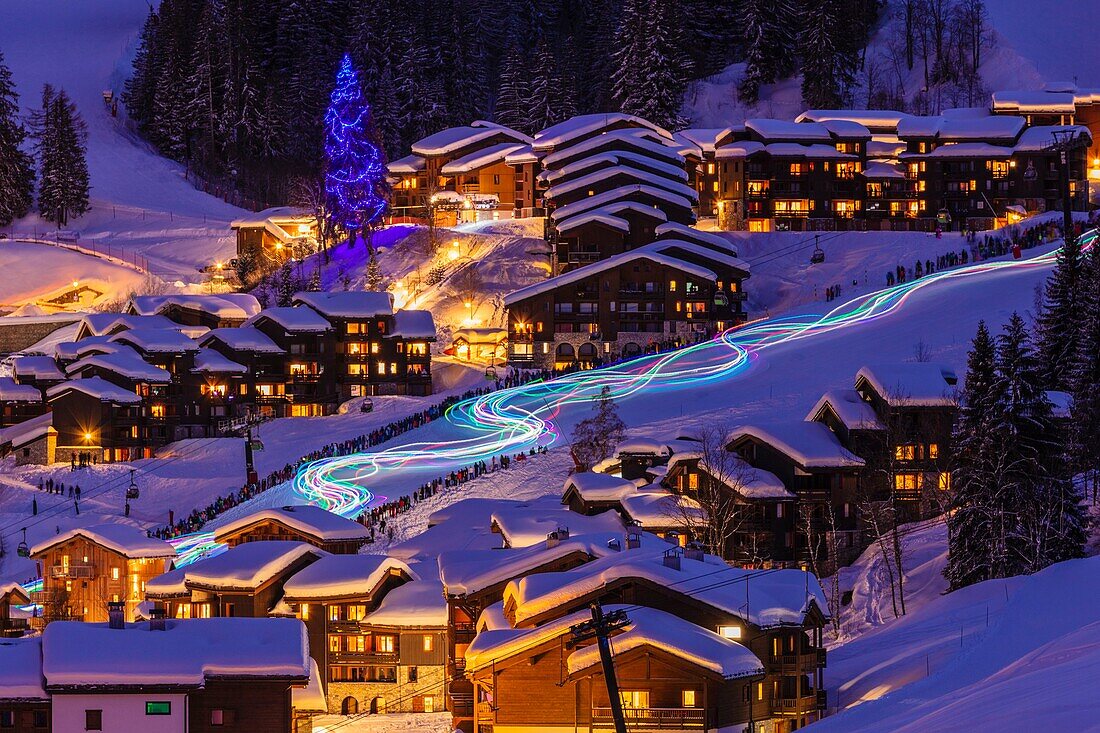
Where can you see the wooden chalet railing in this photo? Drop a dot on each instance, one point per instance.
(652, 718)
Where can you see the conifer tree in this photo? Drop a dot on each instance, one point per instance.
(770, 29)
(16, 166)
(286, 286)
(375, 279)
(1059, 321)
(970, 527)
(62, 168)
(665, 67)
(829, 66)
(511, 105)
(355, 166)
(550, 97)
(137, 93)
(1085, 380)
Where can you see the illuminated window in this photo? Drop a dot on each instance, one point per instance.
(672, 286)
(759, 691)
(381, 367)
(356, 347)
(429, 642)
(905, 452)
(334, 643)
(374, 347)
(710, 169)
(798, 169)
(357, 369)
(114, 573)
(933, 450)
(303, 612)
(156, 410)
(357, 643)
(688, 698)
(418, 349)
(333, 613)
(944, 481)
(356, 613)
(730, 632)
(353, 328)
(383, 644)
(635, 699)
(906, 481)
(393, 367)
(693, 481)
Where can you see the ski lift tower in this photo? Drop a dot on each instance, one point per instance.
(1066, 140)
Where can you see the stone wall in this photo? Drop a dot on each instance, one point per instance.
(398, 697)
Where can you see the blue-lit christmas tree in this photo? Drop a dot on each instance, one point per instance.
(355, 165)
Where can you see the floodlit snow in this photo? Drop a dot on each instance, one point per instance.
(336, 576)
(35, 273)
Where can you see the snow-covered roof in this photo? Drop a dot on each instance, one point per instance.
(408, 164)
(454, 139)
(852, 410)
(230, 305)
(347, 304)
(480, 158)
(885, 149)
(311, 698)
(642, 253)
(702, 138)
(156, 340)
(581, 125)
(281, 214)
(305, 518)
(468, 571)
(592, 486)
(613, 158)
(96, 387)
(607, 215)
(416, 603)
(968, 150)
(878, 169)
(526, 525)
(21, 669)
(244, 338)
(27, 431)
(249, 565)
(798, 150)
(649, 627)
(676, 230)
(482, 335)
(99, 324)
(171, 583)
(739, 149)
(846, 128)
(1019, 100)
(208, 361)
(810, 444)
(14, 593)
(604, 174)
(880, 119)
(36, 367)
(343, 576)
(778, 598)
(676, 248)
(659, 508)
(630, 138)
(525, 154)
(963, 128)
(920, 126)
(293, 320)
(918, 384)
(414, 324)
(124, 362)
(186, 652)
(770, 129)
(739, 476)
(619, 194)
(646, 446)
(1035, 139)
(11, 391)
(124, 539)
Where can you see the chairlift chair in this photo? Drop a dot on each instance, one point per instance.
(23, 550)
(818, 255)
(132, 492)
(721, 299)
(367, 406)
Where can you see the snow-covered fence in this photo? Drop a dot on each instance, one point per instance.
(71, 241)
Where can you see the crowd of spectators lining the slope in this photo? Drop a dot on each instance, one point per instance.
(196, 519)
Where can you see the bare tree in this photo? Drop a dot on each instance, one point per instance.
(594, 438)
(56, 605)
(308, 192)
(468, 288)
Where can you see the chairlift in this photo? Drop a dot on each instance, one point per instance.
(132, 492)
(721, 299)
(818, 255)
(23, 550)
(367, 406)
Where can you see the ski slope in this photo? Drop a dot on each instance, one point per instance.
(140, 201)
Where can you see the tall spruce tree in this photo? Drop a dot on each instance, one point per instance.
(355, 166)
(511, 105)
(828, 61)
(1059, 319)
(16, 166)
(550, 96)
(1085, 381)
(770, 29)
(970, 522)
(62, 169)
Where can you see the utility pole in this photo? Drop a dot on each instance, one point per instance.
(250, 468)
(600, 628)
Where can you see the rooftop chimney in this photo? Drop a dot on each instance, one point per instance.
(672, 558)
(614, 545)
(156, 619)
(633, 540)
(116, 615)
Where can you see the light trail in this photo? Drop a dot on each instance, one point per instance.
(518, 418)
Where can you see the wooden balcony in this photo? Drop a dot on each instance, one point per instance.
(652, 719)
(73, 570)
(796, 705)
(808, 660)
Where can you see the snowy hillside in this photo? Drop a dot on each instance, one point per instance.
(1026, 51)
(1002, 655)
(140, 201)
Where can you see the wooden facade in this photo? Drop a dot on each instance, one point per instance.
(272, 529)
(80, 577)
